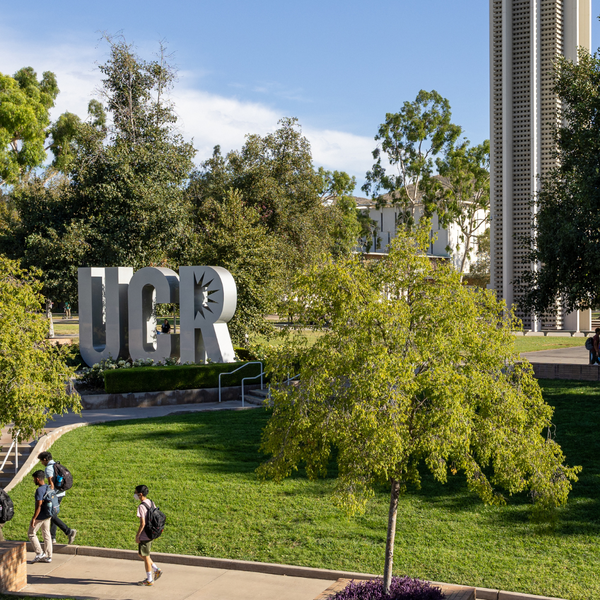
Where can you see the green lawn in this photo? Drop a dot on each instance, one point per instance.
(531, 344)
(200, 470)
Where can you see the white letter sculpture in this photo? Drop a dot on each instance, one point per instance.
(208, 301)
(147, 287)
(103, 313)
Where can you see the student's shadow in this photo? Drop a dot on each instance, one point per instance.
(52, 579)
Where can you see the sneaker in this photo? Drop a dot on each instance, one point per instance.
(39, 557)
(46, 559)
(145, 582)
(157, 574)
(72, 536)
(54, 540)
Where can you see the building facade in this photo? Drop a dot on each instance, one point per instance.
(526, 37)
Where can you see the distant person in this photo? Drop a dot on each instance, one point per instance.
(41, 520)
(595, 349)
(142, 540)
(46, 459)
(67, 310)
(166, 326)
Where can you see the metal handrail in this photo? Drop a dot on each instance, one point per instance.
(255, 362)
(15, 443)
(253, 377)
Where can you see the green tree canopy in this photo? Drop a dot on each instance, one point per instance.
(121, 203)
(408, 141)
(566, 236)
(25, 103)
(413, 371)
(33, 373)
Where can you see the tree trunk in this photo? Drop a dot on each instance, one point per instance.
(391, 534)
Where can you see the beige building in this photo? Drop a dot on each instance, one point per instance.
(526, 36)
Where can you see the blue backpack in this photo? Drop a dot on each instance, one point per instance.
(51, 500)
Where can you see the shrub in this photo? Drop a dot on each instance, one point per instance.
(179, 377)
(402, 588)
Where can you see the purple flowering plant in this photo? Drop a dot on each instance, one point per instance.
(401, 588)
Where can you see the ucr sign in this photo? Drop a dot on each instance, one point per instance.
(117, 317)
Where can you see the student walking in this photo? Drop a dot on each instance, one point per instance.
(142, 539)
(41, 520)
(46, 459)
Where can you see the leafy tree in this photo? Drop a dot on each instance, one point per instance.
(122, 202)
(336, 196)
(480, 271)
(276, 177)
(33, 374)
(25, 103)
(462, 194)
(566, 235)
(229, 234)
(408, 142)
(412, 371)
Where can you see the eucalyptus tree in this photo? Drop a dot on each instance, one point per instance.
(408, 142)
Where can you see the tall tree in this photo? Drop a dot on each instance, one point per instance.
(566, 235)
(408, 141)
(412, 371)
(33, 374)
(230, 234)
(25, 103)
(122, 203)
(461, 194)
(336, 196)
(276, 176)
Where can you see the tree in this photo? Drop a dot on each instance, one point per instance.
(480, 271)
(566, 235)
(462, 193)
(336, 196)
(408, 142)
(229, 234)
(412, 371)
(33, 373)
(25, 103)
(276, 176)
(121, 203)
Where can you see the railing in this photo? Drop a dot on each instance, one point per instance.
(253, 377)
(15, 444)
(256, 362)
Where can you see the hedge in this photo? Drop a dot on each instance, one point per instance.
(180, 377)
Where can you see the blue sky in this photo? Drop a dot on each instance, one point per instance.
(337, 66)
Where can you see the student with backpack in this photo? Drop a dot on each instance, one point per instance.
(152, 521)
(593, 345)
(59, 478)
(44, 502)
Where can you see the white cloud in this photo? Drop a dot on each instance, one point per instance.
(208, 118)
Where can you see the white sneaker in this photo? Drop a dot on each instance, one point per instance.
(45, 559)
(38, 557)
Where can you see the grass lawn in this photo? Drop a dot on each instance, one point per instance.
(531, 344)
(200, 471)
(65, 329)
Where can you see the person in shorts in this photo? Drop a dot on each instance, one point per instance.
(142, 540)
(41, 520)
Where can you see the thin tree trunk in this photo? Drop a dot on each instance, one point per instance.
(391, 534)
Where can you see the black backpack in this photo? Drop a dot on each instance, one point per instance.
(589, 344)
(63, 480)
(155, 521)
(7, 510)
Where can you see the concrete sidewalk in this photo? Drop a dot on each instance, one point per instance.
(577, 355)
(75, 576)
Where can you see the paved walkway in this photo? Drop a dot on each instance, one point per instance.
(77, 576)
(567, 356)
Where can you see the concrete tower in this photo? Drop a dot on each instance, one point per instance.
(526, 36)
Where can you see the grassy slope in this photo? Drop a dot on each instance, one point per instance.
(200, 470)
